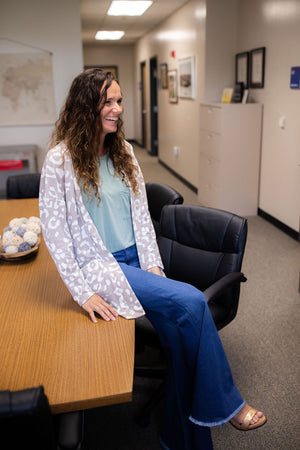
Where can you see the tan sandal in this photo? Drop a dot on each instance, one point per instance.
(245, 425)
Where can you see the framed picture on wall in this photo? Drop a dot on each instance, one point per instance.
(242, 69)
(257, 67)
(172, 86)
(113, 69)
(164, 75)
(186, 77)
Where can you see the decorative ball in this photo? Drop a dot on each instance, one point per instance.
(31, 238)
(33, 226)
(21, 231)
(34, 219)
(23, 247)
(11, 249)
(16, 222)
(15, 240)
(7, 237)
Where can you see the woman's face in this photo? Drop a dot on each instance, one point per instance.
(112, 109)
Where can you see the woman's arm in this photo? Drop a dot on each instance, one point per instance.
(53, 214)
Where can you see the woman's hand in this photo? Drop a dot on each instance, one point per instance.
(155, 270)
(96, 304)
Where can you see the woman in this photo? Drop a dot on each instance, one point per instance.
(97, 227)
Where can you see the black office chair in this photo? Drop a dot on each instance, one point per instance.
(204, 247)
(23, 186)
(26, 422)
(159, 195)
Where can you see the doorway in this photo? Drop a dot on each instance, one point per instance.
(144, 104)
(153, 106)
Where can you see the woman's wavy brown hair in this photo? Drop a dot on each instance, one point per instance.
(79, 126)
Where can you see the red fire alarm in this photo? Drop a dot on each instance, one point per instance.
(173, 54)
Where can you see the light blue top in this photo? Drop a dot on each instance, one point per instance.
(112, 216)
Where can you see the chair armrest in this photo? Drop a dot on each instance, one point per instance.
(223, 283)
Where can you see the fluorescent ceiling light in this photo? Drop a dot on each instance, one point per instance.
(128, 8)
(109, 35)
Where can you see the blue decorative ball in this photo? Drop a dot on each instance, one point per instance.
(23, 247)
(21, 231)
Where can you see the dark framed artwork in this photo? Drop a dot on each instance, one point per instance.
(242, 69)
(164, 75)
(113, 69)
(257, 67)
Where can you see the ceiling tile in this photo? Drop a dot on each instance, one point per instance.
(94, 18)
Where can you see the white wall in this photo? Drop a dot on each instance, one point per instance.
(183, 32)
(53, 26)
(207, 30)
(220, 43)
(277, 27)
(121, 56)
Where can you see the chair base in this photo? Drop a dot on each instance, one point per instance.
(69, 428)
(143, 418)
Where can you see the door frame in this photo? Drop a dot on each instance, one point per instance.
(143, 103)
(153, 106)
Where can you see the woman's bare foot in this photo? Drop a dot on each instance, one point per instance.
(248, 418)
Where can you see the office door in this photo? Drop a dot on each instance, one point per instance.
(154, 106)
(144, 104)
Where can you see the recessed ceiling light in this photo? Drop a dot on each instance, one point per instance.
(109, 35)
(128, 8)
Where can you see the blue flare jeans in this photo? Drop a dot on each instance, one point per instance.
(200, 392)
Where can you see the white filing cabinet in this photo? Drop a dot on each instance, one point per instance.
(230, 141)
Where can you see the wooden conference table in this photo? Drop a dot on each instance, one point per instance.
(46, 338)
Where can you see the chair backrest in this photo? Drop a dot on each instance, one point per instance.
(200, 245)
(23, 186)
(26, 420)
(159, 195)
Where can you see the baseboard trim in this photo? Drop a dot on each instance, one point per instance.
(282, 226)
(179, 177)
(135, 142)
(183, 180)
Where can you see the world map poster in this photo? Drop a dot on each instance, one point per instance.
(26, 89)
